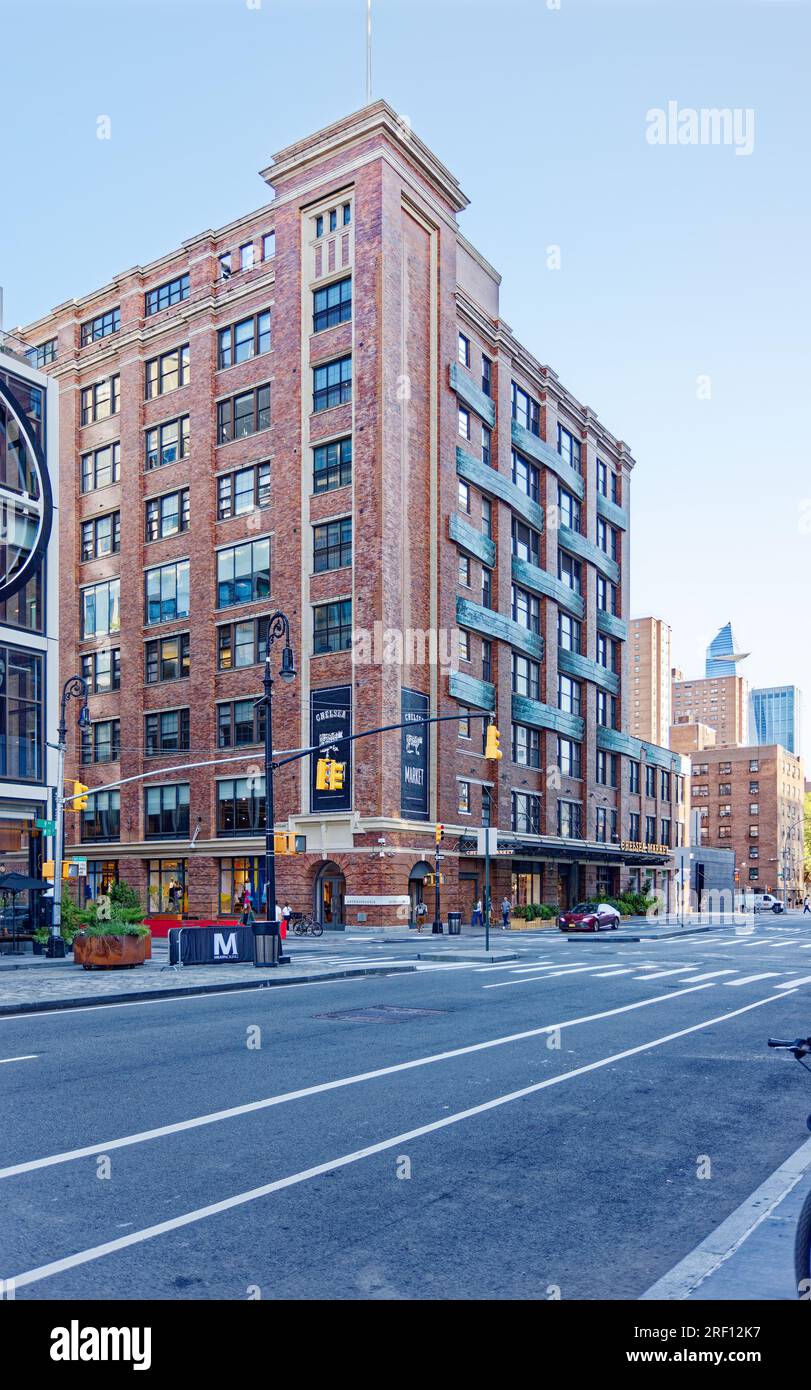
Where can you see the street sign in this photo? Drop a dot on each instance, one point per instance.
(49, 826)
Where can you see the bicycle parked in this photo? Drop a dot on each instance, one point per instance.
(305, 925)
(801, 1048)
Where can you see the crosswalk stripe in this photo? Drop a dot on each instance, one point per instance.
(709, 975)
(678, 970)
(789, 984)
(750, 979)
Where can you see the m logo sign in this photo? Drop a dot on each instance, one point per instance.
(225, 947)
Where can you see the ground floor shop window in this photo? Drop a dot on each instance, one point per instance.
(235, 876)
(527, 886)
(166, 885)
(101, 875)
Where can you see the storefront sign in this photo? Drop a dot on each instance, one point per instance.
(330, 720)
(414, 745)
(26, 506)
(378, 900)
(636, 847)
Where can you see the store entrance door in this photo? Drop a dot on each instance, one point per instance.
(330, 892)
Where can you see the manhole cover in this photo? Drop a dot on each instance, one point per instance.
(379, 1013)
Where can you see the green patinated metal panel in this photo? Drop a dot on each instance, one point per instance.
(541, 452)
(496, 484)
(471, 394)
(584, 669)
(587, 550)
(471, 540)
(612, 741)
(540, 716)
(613, 627)
(609, 511)
(492, 624)
(470, 691)
(542, 582)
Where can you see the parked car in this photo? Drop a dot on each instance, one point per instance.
(767, 902)
(590, 917)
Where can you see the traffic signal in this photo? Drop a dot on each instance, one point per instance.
(492, 747)
(439, 834)
(284, 843)
(48, 869)
(323, 774)
(79, 801)
(337, 774)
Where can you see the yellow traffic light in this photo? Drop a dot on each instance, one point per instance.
(439, 834)
(337, 774)
(79, 799)
(48, 869)
(323, 774)
(284, 842)
(493, 746)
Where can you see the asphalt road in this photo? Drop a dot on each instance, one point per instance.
(395, 1159)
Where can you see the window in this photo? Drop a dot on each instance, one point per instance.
(487, 587)
(166, 593)
(332, 465)
(754, 788)
(243, 573)
(700, 769)
(332, 545)
(101, 467)
(102, 742)
(242, 644)
(525, 813)
(615, 488)
(569, 449)
(167, 515)
(487, 445)
(25, 608)
(487, 807)
(570, 571)
(487, 518)
(570, 820)
(633, 776)
(464, 645)
(526, 676)
(526, 746)
(167, 812)
(754, 852)
(332, 383)
(526, 411)
(526, 476)
(754, 808)
(332, 626)
(347, 214)
(754, 765)
(702, 792)
(608, 539)
(633, 827)
(21, 717)
(101, 608)
(102, 670)
(239, 723)
(101, 400)
(42, 355)
(725, 810)
(246, 256)
(754, 832)
(570, 633)
(526, 609)
(241, 341)
(607, 768)
(166, 658)
(608, 653)
(100, 327)
(332, 304)
(650, 780)
(600, 825)
(724, 769)
(526, 542)
(463, 570)
(463, 350)
(725, 832)
(602, 478)
(464, 723)
(243, 491)
(607, 708)
(569, 695)
(570, 757)
(487, 659)
(268, 246)
(487, 376)
(167, 731)
(167, 372)
(665, 832)
(319, 226)
(167, 443)
(101, 536)
(607, 596)
(247, 413)
(463, 798)
(569, 508)
(463, 497)
(164, 295)
(464, 422)
(101, 819)
(650, 830)
(241, 806)
(225, 265)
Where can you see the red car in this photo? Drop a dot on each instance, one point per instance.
(590, 917)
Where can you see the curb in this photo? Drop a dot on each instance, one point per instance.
(138, 996)
(675, 935)
(475, 960)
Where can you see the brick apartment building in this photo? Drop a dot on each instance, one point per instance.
(751, 800)
(318, 408)
(649, 672)
(722, 702)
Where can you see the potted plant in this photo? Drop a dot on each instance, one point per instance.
(113, 936)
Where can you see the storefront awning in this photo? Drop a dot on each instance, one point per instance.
(573, 851)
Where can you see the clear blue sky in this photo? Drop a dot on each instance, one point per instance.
(676, 261)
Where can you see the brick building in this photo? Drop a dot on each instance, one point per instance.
(317, 408)
(751, 800)
(649, 672)
(722, 702)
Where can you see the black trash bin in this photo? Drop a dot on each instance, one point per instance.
(267, 943)
(454, 924)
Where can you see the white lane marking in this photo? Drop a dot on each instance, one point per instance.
(779, 943)
(570, 970)
(806, 947)
(46, 1271)
(789, 984)
(29, 1057)
(750, 979)
(708, 975)
(249, 1107)
(677, 970)
(623, 970)
(716, 1249)
(509, 965)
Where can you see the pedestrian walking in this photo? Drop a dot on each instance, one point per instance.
(174, 890)
(506, 912)
(422, 913)
(478, 915)
(806, 904)
(286, 915)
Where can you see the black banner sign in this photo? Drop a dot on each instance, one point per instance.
(210, 945)
(331, 719)
(414, 745)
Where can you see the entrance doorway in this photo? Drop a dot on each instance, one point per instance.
(330, 892)
(417, 891)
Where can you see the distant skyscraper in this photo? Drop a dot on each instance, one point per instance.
(722, 656)
(774, 716)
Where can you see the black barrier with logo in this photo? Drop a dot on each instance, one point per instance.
(210, 945)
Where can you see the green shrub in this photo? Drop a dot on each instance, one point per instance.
(115, 927)
(123, 895)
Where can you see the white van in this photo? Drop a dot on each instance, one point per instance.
(766, 902)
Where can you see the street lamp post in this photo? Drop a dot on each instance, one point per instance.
(278, 626)
(75, 688)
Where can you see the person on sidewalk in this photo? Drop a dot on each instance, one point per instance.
(478, 914)
(506, 913)
(806, 904)
(422, 913)
(286, 915)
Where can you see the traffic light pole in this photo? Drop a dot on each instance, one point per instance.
(75, 687)
(436, 929)
(278, 626)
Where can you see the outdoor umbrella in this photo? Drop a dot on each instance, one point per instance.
(15, 883)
